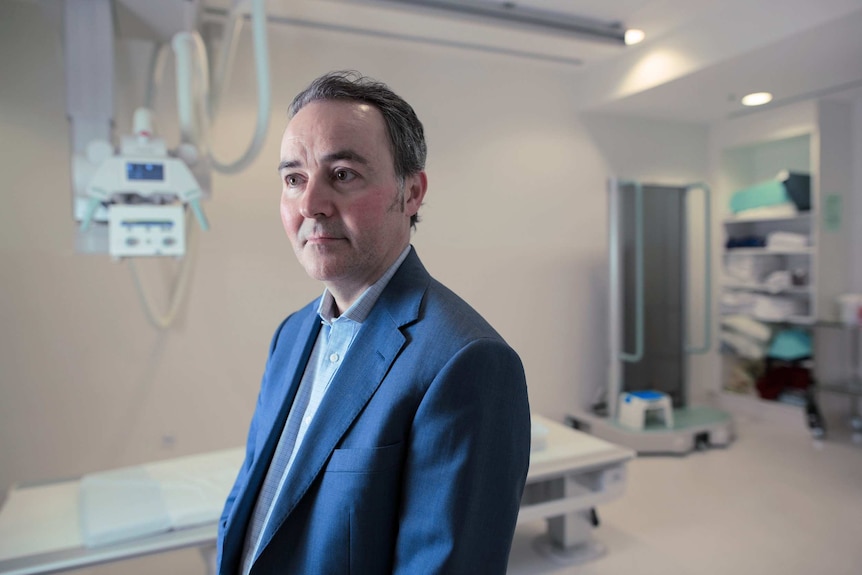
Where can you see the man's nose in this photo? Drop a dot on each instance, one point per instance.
(316, 199)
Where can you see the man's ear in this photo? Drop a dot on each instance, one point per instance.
(415, 186)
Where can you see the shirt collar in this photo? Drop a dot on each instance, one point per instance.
(360, 309)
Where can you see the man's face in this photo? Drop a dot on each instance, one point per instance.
(341, 204)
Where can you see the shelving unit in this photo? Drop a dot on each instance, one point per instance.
(794, 260)
(815, 138)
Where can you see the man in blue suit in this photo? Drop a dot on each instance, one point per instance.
(392, 429)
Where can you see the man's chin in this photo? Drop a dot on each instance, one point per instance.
(321, 271)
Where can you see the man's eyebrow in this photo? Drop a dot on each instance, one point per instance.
(328, 158)
(345, 155)
(287, 164)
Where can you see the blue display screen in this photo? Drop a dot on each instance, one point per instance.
(151, 172)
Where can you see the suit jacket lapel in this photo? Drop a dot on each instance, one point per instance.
(371, 355)
(287, 369)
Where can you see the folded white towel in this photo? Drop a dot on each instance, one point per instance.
(743, 346)
(751, 268)
(777, 308)
(786, 240)
(735, 302)
(778, 281)
(747, 326)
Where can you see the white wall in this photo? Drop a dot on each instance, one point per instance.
(514, 221)
(651, 151)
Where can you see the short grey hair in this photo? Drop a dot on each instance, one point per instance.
(406, 135)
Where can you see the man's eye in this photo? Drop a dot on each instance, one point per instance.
(344, 175)
(291, 180)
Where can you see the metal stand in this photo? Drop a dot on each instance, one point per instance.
(850, 386)
(567, 480)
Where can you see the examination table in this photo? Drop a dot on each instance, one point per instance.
(176, 504)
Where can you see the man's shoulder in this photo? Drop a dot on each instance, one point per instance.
(439, 307)
(444, 305)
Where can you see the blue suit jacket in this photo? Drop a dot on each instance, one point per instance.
(417, 457)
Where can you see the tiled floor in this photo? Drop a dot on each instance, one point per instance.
(774, 502)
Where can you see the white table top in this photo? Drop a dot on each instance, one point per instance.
(40, 533)
(42, 528)
(569, 449)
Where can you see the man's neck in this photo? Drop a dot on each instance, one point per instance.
(346, 296)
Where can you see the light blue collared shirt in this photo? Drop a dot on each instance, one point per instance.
(333, 342)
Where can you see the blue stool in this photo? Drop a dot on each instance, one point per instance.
(634, 407)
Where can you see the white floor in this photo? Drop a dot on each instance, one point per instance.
(774, 502)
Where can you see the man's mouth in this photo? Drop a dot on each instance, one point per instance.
(322, 239)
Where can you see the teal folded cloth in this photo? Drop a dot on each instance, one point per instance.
(767, 193)
(790, 345)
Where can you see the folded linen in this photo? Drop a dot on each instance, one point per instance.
(777, 308)
(785, 187)
(777, 211)
(743, 346)
(791, 345)
(751, 268)
(778, 281)
(766, 193)
(747, 326)
(786, 240)
(737, 303)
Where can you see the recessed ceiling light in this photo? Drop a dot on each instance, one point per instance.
(634, 36)
(756, 99)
